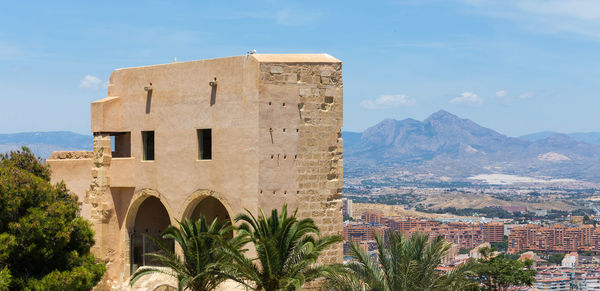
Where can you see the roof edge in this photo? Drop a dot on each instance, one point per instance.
(295, 58)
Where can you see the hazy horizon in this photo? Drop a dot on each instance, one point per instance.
(344, 130)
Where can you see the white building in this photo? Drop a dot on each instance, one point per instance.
(570, 260)
(346, 207)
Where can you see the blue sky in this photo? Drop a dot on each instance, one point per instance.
(514, 66)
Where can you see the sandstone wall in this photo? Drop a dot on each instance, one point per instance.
(301, 107)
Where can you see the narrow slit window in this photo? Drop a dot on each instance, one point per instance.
(148, 145)
(204, 144)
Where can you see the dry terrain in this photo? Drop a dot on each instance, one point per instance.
(476, 200)
(394, 210)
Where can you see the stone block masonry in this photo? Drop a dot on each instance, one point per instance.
(317, 90)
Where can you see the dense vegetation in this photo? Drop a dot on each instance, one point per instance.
(501, 213)
(286, 252)
(199, 267)
(403, 264)
(556, 258)
(497, 272)
(44, 243)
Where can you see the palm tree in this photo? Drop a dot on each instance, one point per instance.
(286, 252)
(198, 268)
(403, 264)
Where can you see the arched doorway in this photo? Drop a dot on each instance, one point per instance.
(210, 204)
(211, 208)
(151, 220)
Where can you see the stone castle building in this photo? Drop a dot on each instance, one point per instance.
(209, 137)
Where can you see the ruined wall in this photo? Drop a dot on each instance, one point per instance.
(301, 145)
(103, 215)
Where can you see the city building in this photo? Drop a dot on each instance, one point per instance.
(493, 231)
(464, 234)
(558, 238)
(346, 207)
(570, 260)
(558, 284)
(359, 232)
(210, 137)
(566, 279)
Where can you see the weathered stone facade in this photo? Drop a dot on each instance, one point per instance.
(315, 98)
(275, 123)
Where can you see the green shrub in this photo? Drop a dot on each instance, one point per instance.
(44, 243)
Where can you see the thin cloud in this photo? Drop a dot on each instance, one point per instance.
(286, 16)
(90, 82)
(501, 93)
(580, 9)
(467, 98)
(388, 101)
(526, 95)
(581, 17)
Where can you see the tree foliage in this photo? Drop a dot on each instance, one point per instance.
(5, 279)
(496, 272)
(44, 243)
(286, 252)
(201, 264)
(403, 264)
(556, 258)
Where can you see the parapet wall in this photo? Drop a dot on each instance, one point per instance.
(71, 155)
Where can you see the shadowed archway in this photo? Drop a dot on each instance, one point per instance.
(210, 204)
(147, 218)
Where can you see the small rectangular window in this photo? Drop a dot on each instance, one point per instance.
(148, 145)
(204, 144)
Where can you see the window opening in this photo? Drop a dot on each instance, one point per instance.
(204, 144)
(148, 145)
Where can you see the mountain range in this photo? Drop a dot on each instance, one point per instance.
(587, 137)
(443, 145)
(449, 146)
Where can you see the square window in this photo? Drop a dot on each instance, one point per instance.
(204, 144)
(148, 145)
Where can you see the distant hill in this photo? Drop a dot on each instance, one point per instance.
(538, 135)
(587, 137)
(44, 143)
(447, 145)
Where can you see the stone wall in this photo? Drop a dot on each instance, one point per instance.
(317, 90)
(102, 216)
(71, 155)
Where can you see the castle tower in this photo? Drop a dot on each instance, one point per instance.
(210, 137)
